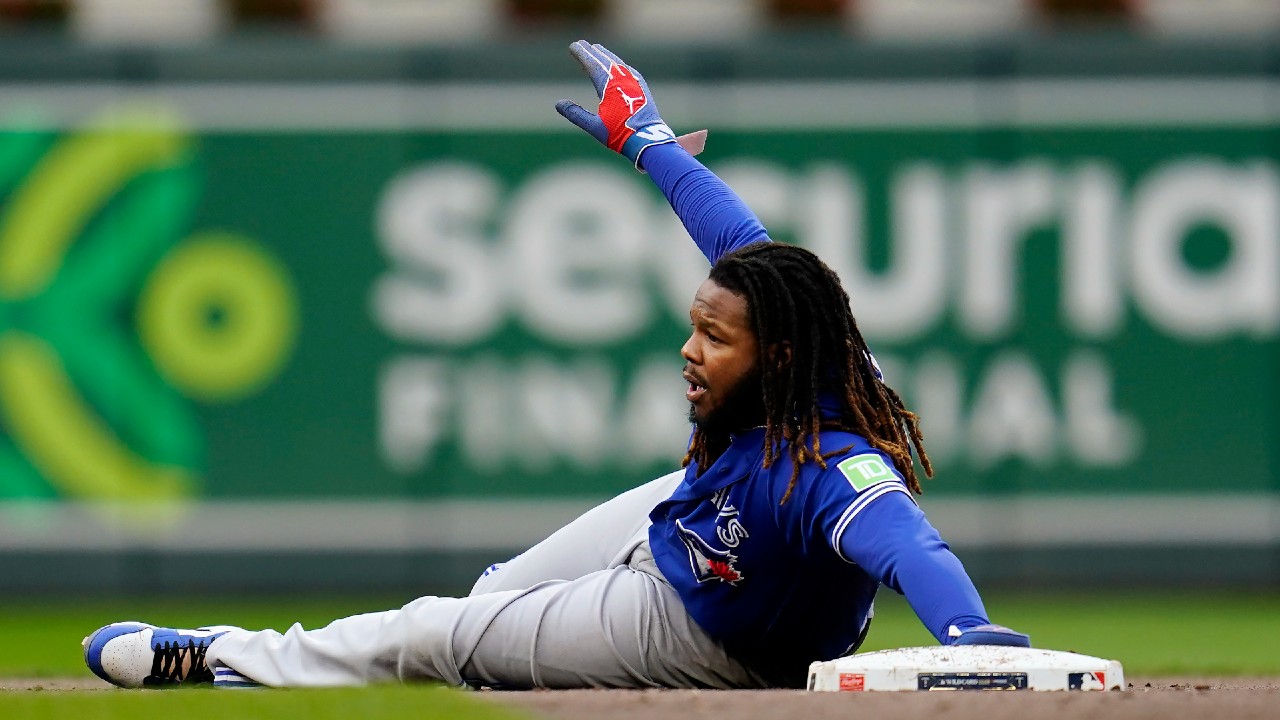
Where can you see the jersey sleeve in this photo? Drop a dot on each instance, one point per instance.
(848, 489)
(716, 218)
(894, 543)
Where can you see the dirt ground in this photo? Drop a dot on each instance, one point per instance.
(1162, 699)
(1147, 698)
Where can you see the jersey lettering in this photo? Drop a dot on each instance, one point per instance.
(732, 533)
(720, 499)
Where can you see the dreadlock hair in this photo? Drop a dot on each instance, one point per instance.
(794, 300)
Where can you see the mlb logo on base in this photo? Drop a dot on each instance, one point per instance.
(1087, 681)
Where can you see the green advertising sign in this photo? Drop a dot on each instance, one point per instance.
(1071, 318)
(379, 303)
(118, 313)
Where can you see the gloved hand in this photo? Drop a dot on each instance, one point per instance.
(628, 122)
(988, 635)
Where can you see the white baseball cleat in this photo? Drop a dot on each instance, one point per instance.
(135, 654)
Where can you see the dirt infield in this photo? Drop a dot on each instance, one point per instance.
(1154, 698)
(1165, 698)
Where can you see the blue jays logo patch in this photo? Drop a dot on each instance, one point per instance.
(707, 562)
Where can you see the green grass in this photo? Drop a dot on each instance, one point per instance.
(1152, 633)
(383, 703)
(43, 639)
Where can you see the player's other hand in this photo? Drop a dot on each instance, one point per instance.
(989, 635)
(628, 121)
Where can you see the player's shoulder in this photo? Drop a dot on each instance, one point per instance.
(857, 462)
(840, 445)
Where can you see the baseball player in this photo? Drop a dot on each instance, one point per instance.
(763, 554)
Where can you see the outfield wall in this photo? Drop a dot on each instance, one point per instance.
(288, 316)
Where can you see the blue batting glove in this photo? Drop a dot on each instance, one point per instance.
(628, 122)
(989, 635)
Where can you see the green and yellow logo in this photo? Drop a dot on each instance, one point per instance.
(114, 316)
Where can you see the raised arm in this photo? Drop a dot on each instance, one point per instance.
(628, 123)
(716, 218)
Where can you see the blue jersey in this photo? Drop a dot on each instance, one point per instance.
(782, 584)
(763, 576)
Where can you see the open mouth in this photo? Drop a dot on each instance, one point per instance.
(694, 392)
(696, 389)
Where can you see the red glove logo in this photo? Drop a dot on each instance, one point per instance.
(623, 98)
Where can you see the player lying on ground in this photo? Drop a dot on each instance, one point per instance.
(762, 555)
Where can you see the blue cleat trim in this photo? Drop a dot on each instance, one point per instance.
(162, 635)
(103, 635)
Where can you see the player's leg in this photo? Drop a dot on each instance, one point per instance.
(622, 627)
(613, 628)
(601, 538)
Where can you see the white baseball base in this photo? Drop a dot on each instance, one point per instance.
(966, 667)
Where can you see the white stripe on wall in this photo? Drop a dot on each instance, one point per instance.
(968, 523)
(479, 106)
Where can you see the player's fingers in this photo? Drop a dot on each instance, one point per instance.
(583, 118)
(596, 66)
(608, 54)
(993, 635)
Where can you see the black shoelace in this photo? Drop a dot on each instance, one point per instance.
(166, 666)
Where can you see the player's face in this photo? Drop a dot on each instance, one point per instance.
(721, 361)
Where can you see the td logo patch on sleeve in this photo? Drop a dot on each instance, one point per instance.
(863, 471)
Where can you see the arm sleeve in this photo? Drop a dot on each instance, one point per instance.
(894, 542)
(714, 215)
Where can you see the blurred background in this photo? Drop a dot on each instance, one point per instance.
(307, 295)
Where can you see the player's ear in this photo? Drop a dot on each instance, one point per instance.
(780, 355)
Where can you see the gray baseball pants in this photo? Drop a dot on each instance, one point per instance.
(587, 607)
